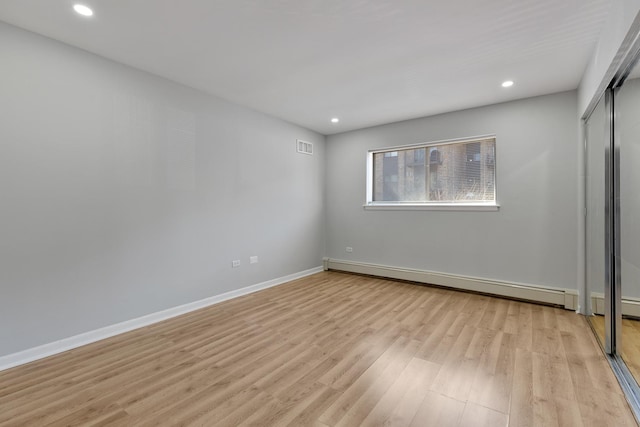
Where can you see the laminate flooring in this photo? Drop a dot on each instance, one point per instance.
(331, 349)
(630, 342)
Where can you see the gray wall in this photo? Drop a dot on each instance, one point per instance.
(532, 238)
(122, 193)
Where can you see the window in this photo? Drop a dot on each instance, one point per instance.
(449, 174)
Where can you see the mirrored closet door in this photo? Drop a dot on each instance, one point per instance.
(612, 228)
(627, 142)
(596, 129)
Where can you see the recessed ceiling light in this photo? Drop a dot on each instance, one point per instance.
(335, 120)
(508, 83)
(83, 10)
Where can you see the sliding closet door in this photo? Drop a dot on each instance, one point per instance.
(627, 136)
(597, 138)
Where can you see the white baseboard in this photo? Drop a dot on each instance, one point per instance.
(567, 298)
(630, 306)
(42, 351)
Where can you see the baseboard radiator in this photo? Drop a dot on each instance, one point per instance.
(630, 306)
(566, 298)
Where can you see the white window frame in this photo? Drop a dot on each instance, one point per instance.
(440, 206)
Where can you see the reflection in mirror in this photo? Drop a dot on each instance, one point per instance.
(596, 139)
(627, 128)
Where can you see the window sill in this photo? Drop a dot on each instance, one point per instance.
(432, 207)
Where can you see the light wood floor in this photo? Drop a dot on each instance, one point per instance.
(332, 350)
(630, 342)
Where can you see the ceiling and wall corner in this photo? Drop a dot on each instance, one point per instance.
(368, 63)
(608, 52)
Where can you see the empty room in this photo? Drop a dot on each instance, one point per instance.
(319, 213)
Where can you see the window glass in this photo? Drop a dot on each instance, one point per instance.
(453, 172)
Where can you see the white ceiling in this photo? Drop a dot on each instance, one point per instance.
(367, 62)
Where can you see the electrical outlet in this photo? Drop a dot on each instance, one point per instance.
(349, 249)
(253, 259)
(235, 263)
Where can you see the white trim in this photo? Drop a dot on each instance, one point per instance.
(369, 183)
(571, 300)
(45, 350)
(630, 306)
(431, 207)
(447, 206)
(566, 298)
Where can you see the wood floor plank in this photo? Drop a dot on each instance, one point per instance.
(568, 413)
(310, 413)
(281, 412)
(413, 381)
(491, 386)
(437, 410)
(521, 407)
(437, 344)
(369, 399)
(391, 361)
(630, 345)
(599, 408)
(328, 350)
(455, 378)
(479, 416)
(525, 327)
(551, 375)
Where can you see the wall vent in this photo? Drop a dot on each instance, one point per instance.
(304, 147)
